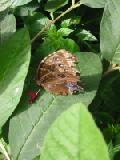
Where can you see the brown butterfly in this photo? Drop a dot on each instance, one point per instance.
(57, 73)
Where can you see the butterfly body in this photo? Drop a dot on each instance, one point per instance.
(57, 73)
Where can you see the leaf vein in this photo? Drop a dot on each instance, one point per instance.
(31, 131)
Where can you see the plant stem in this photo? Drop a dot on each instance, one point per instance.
(73, 2)
(51, 14)
(111, 68)
(53, 21)
(4, 151)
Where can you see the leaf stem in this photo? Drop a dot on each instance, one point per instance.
(57, 18)
(51, 14)
(111, 68)
(4, 151)
(73, 2)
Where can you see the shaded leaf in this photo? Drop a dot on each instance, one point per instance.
(94, 3)
(110, 32)
(86, 35)
(26, 10)
(14, 61)
(16, 3)
(33, 121)
(74, 136)
(35, 23)
(3, 14)
(53, 5)
(4, 4)
(7, 27)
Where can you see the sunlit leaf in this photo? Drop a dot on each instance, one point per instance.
(33, 121)
(110, 32)
(14, 61)
(7, 27)
(74, 136)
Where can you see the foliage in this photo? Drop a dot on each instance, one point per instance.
(60, 127)
(47, 108)
(66, 138)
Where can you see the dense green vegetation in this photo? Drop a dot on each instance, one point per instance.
(85, 126)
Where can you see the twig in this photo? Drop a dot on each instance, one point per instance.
(53, 21)
(111, 68)
(4, 151)
(51, 15)
(73, 2)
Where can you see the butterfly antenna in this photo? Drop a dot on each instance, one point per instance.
(37, 92)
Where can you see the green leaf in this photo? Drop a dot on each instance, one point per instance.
(94, 3)
(53, 5)
(70, 45)
(14, 61)
(71, 21)
(32, 122)
(65, 31)
(110, 32)
(35, 23)
(74, 136)
(3, 14)
(26, 10)
(16, 3)
(85, 35)
(4, 4)
(7, 27)
(55, 41)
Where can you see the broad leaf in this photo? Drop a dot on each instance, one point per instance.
(7, 27)
(3, 14)
(36, 22)
(26, 10)
(4, 4)
(33, 121)
(65, 31)
(55, 41)
(71, 21)
(110, 32)
(53, 5)
(74, 136)
(94, 3)
(16, 3)
(14, 61)
(85, 35)
(70, 45)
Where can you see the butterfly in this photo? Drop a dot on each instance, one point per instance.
(57, 74)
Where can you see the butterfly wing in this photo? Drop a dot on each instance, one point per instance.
(57, 74)
(62, 88)
(61, 84)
